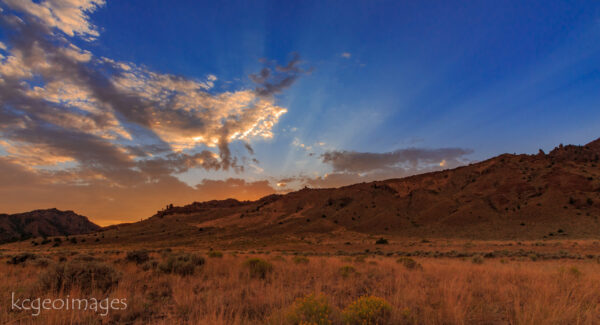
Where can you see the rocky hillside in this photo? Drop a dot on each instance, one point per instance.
(40, 223)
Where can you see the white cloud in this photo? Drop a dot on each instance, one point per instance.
(346, 55)
(69, 16)
(226, 116)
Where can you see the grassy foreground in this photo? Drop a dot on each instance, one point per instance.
(175, 287)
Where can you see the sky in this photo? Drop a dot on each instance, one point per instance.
(115, 109)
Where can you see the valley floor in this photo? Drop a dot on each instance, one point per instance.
(558, 285)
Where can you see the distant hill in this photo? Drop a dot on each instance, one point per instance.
(50, 222)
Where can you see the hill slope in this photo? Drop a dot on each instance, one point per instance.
(554, 195)
(51, 222)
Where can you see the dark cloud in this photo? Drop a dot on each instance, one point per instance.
(351, 167)
(249, 148)
(412, 158)
(274, 79)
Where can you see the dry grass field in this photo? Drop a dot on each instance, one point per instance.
(175, 286)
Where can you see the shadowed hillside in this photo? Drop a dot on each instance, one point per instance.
(51, 222)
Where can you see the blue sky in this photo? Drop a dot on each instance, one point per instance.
(492, 76)
(454, 82)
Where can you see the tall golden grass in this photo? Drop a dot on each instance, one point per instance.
(222, 290)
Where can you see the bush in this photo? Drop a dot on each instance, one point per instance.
(43, 262)
(301, 260)
(381, 241)
(84, 257)
(347, 270)
(367, 310)
(183, 264)
(21, 258)
(278, 258)
(139, 257)
(258, 268)
(159, 292)
(312, 309)
(215, 254)
(360, 259)
(87, 276)
(477, 259)
(409, 263)
(150, 265)
(573, 270)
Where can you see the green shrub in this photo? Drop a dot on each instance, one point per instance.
(84, 257)
(139, 256)
(347, 270)
(301, 260)
(367, 310)
(477, 259)
(409, 263)
(279, 258)
(360, 259)
(215, 254)
(159, 292)
(258, 268)
(150, 265)
(43, 262)
(21, 258)
(573, 270)
(311, 309)
(87, 276)
(181, 264)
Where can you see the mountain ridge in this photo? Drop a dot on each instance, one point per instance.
(43, 223)
(510, 196)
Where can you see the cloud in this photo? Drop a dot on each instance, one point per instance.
(273, 78)
(62, 107)
(346, 55)
(350, 167)
(297, 143)
(69, 16)
(410, 159)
